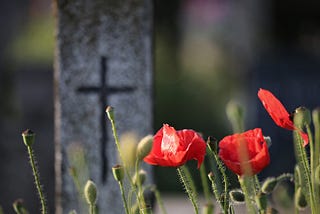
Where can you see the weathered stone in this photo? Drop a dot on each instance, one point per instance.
(103, 57)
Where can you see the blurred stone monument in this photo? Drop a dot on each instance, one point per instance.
(103, 57)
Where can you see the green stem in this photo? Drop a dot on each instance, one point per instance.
(92, 209)
(246, 187)
(189, 186)
(297, 183)
(313, 165)
(303, 164)
(37, 180)
(116, 139)
(204, 183)
(125, 204)
(159, 200)
(225, 203)
(142, 202)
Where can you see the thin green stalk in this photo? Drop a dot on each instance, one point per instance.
(142, 202)
(189, 186)
(159, 200)
(110, 114)
(313, 165)
(246, 187)
(37, 180)
(204, 183)
(125, 204)
(297, 183)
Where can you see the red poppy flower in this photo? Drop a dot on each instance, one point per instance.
(174, 148)
(278, 113)
(245, 153)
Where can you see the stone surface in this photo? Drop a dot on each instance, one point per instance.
(103, 57)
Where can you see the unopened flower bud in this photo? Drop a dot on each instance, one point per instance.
(73, 212)
(142, 177)
(144, 146)
(110, 113)
(300, 199)
(211, 176)
(90, 192)
(18, 207)
(269, 185)
(28, 137)
(236, 196)
(118, 172)
(235, 115)
(302, 117)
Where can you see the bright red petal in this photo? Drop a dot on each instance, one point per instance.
(252, 141)
(275, 109)
(196, 146)
(278, 113)
(174, 148)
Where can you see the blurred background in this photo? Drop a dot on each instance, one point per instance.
(207, 52)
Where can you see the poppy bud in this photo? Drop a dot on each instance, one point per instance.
(110, 113)
(269, 185)
(211, 176)
(237, 196)
(18, 207)
(118, 172)
(28, 137)
(235, 115)
(73, 212)
(302, 117)
(90, 192)
(300, 199)
(144, 146)
(142, 177)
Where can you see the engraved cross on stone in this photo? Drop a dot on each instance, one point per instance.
(104, 91)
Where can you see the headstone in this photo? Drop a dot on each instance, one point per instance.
(103, 57)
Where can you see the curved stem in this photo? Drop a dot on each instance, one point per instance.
(37, 180)
(189, 187)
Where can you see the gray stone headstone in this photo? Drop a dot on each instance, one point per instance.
(103, 57)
